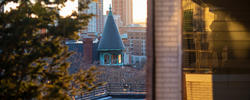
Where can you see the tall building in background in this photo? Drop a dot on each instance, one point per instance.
(124, 8)
(96, 22)
(99, 16)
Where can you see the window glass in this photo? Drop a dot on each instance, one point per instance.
(119, 58)
(106, 59)
(216, 52)
(114, 59)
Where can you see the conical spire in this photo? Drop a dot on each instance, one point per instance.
(111, 39)
(110, 7)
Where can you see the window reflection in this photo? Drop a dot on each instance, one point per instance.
(114, 59)
(213, 42)
(106, 59)
(216, 53)
(119, 58)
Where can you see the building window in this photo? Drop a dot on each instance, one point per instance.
(106, 59)
(114, 59)
(119, 58)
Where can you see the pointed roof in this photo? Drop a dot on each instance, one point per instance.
(111, 39)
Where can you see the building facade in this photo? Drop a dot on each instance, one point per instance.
(99, 16)
(124, 8)
(137, 43)
(136, 39)
(96, 23)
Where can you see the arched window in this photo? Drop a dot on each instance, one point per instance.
(106, 59)
(114, 59)
(119, 59)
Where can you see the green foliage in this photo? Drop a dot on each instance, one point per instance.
(33, 63)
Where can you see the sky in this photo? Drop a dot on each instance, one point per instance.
(139, 9)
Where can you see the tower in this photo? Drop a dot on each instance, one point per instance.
(111, 47)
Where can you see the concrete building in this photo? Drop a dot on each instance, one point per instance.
(96, 23)
(99, 16)
(138, 61)
(124, 8)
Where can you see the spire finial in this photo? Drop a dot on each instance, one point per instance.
(110, 7)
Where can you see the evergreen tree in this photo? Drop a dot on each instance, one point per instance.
(32, 62)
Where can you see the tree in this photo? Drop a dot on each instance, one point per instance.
(33, 63)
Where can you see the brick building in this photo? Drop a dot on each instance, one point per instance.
(88, 46)
(136, 40)
(84, 53)
(124, 8)
(134, 27)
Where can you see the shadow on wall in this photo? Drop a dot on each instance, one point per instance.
(230, 44)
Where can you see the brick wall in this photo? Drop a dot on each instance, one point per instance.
(168, 49)
(164, 26)
(87, 55)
